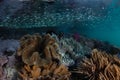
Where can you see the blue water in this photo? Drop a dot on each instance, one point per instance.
(108, 28)
(97, 19)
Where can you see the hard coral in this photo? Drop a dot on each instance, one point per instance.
(41, 59)
(100, 66)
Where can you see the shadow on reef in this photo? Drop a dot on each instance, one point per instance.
(13, 33)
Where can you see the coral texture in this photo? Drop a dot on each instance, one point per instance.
(41, 59)
(100, 66)
(3, 60)
(70, 49)
(52, 72)
(10, 69)
(8, 50)
(8, 47)
(36, 49)
(7, 67)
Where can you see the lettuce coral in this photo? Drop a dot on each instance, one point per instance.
(100, 66)
(41, 59)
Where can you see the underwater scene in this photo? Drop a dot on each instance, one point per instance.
(59, 39)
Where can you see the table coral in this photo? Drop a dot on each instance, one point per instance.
(41, 59)
(100, 66)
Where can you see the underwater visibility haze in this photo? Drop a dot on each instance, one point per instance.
(98, 19)
(59, 39)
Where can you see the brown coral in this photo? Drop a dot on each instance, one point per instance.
(32, 47)
(100, 66)
(41, 59)
(52, 72)
(29, 45)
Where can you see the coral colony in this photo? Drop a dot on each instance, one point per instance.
(47, 57)
(51, 40)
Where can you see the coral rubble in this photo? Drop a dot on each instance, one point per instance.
(100, 66)
(41, 59)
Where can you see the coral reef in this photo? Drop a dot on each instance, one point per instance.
(54, 57)
(8, 50)
(32, 47)
(52, 72)
(70, 49)
(12, 33)
(100, 66)
(41, 59)
(8, 47)
(3, 60)
(10, 68)
(7, 67)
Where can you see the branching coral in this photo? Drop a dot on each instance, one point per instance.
(41, 59)
(52, 72)
(100, 66)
